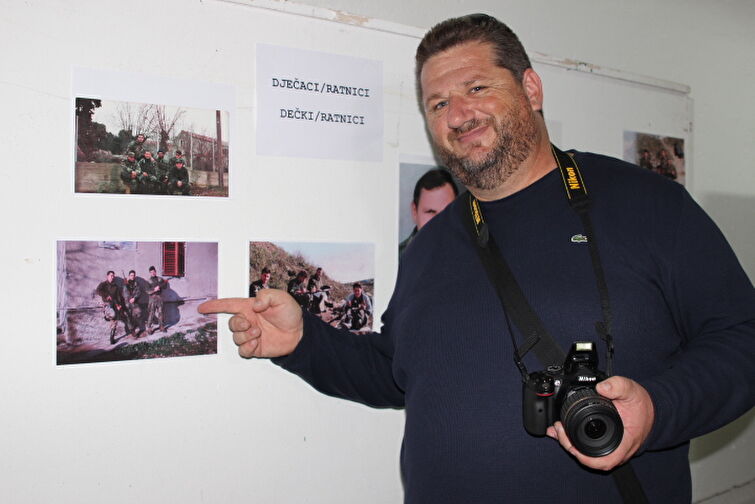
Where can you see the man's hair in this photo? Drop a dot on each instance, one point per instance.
(132, 271)
(152, 268)
(109, 271)
(436, 177)
(179, 152)
(509, 52)
(265, 271)
(302, 274)
(356, 285)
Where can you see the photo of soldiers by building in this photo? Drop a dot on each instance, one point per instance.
(149, 149)
(115, 304)
(659, 154)
(334, 281)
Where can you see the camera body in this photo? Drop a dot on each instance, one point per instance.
(567, 393)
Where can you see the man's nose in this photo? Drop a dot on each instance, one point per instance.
(459, 111)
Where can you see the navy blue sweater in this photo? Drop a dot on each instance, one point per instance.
(684, 327)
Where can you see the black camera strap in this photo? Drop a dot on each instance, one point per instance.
(515, 305)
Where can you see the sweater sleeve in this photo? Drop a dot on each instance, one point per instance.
(712, 378)
(342, 364)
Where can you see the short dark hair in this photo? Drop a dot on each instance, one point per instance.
(152, 268)
(357, 284)
(436, 177)
(109, 271)
(132, 271)
(179, 152)
(265, 271)
(509, 52)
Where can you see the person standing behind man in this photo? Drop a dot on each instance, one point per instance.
(432, 193)
(155, 308)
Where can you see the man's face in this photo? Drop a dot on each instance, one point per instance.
(160, 155)
(140, 138)
(148, 155)
(357, 292)
(131, 158)
(430, 204)
(265, 277)
(110, 277)
(131, 276)
(152, 273)
(179, 166)
(481, 121)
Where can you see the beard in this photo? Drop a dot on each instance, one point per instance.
(516, 137)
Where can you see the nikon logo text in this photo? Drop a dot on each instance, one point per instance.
(586, 378)
(572, 178)
(476, 214)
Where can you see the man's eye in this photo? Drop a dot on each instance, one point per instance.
(476, 89)
(439, 105)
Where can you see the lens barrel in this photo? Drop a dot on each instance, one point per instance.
(591, 421)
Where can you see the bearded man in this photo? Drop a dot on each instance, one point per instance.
(665, 289)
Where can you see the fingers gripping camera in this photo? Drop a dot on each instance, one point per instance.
(567, 393)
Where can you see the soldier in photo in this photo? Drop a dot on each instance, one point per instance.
(665, 166)
(178, 155)
(179, 179)
(646, 160)
(262, 283)
(319, 296)
(162, 168)
(130, 173)
(131, 294)
(137, 146)
(113, 304)
(155, 308)
(149, 183)
(297, 287)
(358, 308)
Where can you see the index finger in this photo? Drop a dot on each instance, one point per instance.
(224, 305)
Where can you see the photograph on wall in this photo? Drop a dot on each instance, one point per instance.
(120, 300)
(424, 191)
(150, 149)
(660, 154)
(333, 281)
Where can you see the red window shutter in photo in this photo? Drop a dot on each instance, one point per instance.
(173, 258)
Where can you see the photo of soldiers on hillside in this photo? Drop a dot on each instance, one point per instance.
(331, 281)
(150, 149)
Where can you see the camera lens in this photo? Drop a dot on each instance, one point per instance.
(591, 422)
(595, 428)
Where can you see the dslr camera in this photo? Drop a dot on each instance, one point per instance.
(567, 393)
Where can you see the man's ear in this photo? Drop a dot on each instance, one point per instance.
(533, 89)
(414, 213)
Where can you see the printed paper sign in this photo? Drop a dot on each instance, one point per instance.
(318, 105)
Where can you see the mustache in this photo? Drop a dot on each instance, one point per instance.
(470, 125)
